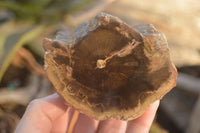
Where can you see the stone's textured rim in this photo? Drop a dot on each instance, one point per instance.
(152, 41)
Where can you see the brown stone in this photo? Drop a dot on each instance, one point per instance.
(106, 68)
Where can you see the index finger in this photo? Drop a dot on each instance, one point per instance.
(143, 123)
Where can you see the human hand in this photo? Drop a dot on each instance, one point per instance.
(51, 115)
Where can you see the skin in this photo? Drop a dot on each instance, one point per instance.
(51, 115)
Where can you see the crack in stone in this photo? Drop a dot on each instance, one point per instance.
(121, 53)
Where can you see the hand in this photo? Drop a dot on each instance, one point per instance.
(51, 115)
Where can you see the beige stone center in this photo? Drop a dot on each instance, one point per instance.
(101, 63)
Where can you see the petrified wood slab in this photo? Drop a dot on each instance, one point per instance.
(106, 68)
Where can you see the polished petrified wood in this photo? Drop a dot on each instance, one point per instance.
(106, 68)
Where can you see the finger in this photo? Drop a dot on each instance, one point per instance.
(61, 124)
(85, 124)
(143, 123)
(113, 126)
(40, 114)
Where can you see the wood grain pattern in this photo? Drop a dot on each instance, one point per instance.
(106, 68)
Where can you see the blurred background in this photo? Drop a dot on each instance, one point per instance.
(25, 23)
